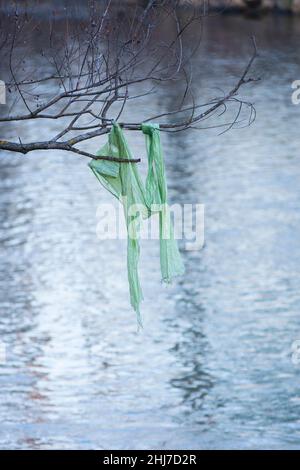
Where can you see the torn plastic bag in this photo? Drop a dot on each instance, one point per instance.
(156, 194)
(124, 182)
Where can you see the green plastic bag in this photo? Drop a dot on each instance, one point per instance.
(156, 193)
(124, 182)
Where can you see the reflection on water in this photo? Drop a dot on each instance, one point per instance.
(212, 367)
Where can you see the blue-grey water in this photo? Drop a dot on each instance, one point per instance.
(213, 367)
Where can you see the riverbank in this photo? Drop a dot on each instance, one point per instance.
(247, 6)
(257, 7)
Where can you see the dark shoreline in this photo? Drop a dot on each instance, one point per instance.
(62, 9)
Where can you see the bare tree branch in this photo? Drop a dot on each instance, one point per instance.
(91, 69)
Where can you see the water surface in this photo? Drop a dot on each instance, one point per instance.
(212, 367)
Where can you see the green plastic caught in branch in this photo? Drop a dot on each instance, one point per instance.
(140, 202)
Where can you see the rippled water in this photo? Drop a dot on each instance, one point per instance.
(212, 367)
